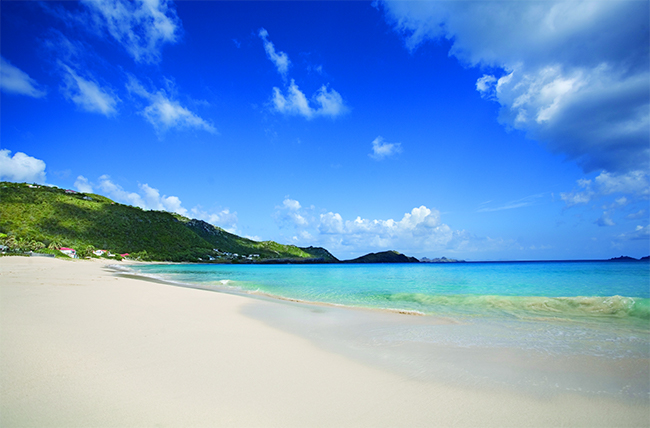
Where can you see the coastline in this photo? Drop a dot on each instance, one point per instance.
(80, 346)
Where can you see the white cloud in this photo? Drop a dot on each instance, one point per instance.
(149, 198)
(83, 185)
(639, 233)
(574, 75)
(418, 231)
(15, 81)
(142, 27)
(605, 220)
(325, 102)
(224, 218)
(117, 193)
(292, 213)
(165, 113)
(637, 215)
(635, 183)
(485, 85)
(154, 201)
(21, 168)
(280, 59)
(87, 94)
(382, 150)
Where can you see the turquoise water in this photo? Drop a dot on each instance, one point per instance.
(572, 290)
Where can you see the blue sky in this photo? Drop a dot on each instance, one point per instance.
(473, 130)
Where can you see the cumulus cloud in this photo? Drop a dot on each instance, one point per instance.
(417, 231)
(21, 167)
(142, 27)
(154, 201)
(83, 185)
(15, 81)
(291, 213)
(117, 193)
(382, 150)
(224, 218)
(575, 75)
(325, 102)
(164, 112)
(87, 94)
(280, 59)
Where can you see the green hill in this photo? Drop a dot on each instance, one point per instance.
(33, 217)
(384, 257)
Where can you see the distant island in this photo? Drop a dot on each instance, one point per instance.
(629, 259)
(440, 260)
(383, 257)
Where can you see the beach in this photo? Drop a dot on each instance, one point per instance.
(80, 346)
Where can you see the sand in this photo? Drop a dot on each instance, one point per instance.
(82, 347)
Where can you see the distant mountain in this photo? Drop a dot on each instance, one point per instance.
(440, 260)
(384, 257)
(645, 259)
(35, 217)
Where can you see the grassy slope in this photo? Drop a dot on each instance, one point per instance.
(77, 220)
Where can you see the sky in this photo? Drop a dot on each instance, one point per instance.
(471, 130)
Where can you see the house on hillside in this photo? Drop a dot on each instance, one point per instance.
(99, 253)
(70, 252)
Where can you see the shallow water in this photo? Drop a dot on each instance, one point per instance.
(589, 290)
(544, 328)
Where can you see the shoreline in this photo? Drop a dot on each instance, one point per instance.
(80, 346)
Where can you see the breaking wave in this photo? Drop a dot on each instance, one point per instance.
(612, 306)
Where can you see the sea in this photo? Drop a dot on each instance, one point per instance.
(540, 327)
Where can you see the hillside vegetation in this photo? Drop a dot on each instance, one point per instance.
(39, 217)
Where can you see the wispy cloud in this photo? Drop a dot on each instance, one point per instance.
(292, 101)
(382, 150)
(15, 81)
(21, 167)
(605, 220)
(280, 59)
(519, 203)
(141, 27)
(164, 113)
(87, 93)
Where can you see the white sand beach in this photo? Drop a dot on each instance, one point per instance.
(80, 347)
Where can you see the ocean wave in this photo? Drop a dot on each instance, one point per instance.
(580, 306)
